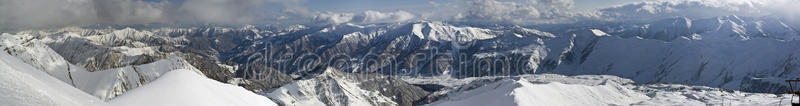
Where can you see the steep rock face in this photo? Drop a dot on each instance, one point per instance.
(333, 87)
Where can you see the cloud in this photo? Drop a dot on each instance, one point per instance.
(702, 9)
(334, 18)
(221, 11)
(491, 10)
(786, 9)
(368, 16)
(26, 14)
(555, 8)
(562, 11)
(525, 11)
(39, 13)
(23, 14)
(686, 8)
(382, 17)
(295, 8)
(127, 11)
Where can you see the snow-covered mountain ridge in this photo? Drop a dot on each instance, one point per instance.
(105, 84)
(552, 49)
(552, 89)
(334, 87)
(24, 84)
(728, 52)
(749, 54)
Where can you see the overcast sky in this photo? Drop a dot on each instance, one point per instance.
(21, 14)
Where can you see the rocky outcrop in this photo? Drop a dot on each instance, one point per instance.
(332, 87)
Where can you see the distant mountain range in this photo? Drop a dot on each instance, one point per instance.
(389, 64)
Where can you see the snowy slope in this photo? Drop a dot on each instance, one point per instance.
(753, 54)
(701, 95)
(188, 87)
(327, 89)
(524, 93)
(22, 84)
(438, 31)
(31, 51)
(105, 84)
(551, 89)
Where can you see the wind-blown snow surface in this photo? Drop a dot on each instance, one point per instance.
(523, 93)
(23, 85)
(190, 88)
(551, 89)
(105, 84)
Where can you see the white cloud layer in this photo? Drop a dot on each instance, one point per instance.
(703, 9)
(335, 18)
(24, 14)
(21, 14)
(368, 16)
(561, 11)
(525, 11)
(36, 13)
(380, 17)
(220, 11)
(491, 10)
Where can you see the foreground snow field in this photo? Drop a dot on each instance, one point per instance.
(22, 84)
(552, 89)
(188, 87)
(523, 93)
